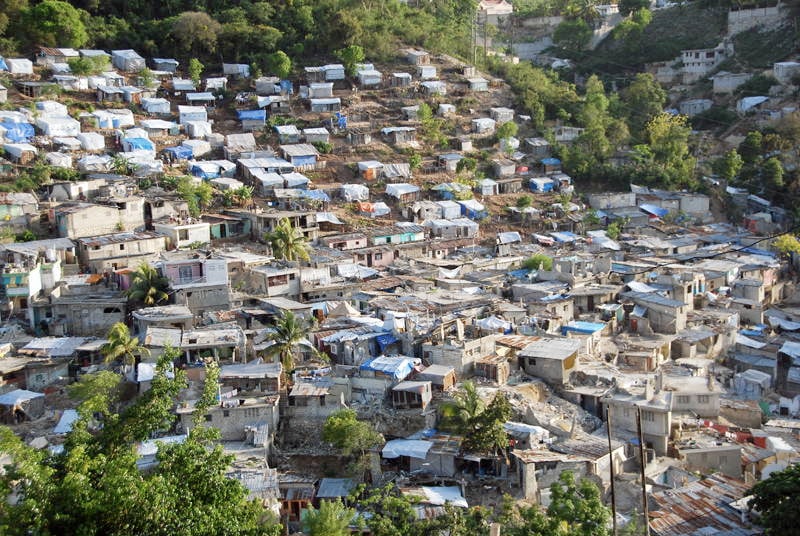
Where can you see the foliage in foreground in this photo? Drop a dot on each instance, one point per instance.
(95, 486)
(776, 499)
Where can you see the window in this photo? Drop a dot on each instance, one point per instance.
(723, 460)
(378, 256)
(208, 417)
(626, 412)
(183, 234)
(226, 413)
(648, 416)
(122, 246)
(703, 399)
(683, 399)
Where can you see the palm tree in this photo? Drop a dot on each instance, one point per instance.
(458, 414)
(121, 345)
(290, 332)
(287, 242)
(244, 196)
(148, 286)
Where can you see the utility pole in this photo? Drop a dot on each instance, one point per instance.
(611, 472)
(641, 467)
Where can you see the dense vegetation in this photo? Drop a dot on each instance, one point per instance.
(242, 32)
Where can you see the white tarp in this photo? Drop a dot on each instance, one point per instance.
(400, 189)
(355, 192)
(65, 422)
(786, 325)
(198, 147)
(493, 323)
(90, 163)
(789, 348)
(17, 397)
(156, 106)
(441, 495)
(91, 141)
(413, 448)
(61, 160)
(747, 341)
(198, 129)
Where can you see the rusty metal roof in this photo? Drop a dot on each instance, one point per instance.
(700, 508)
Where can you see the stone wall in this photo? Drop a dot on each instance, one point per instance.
(744, 19)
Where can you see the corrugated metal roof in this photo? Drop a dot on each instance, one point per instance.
(696, 506)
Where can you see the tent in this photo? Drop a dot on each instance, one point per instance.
(180, 152)
(17, 132)
(401, 189)
(354, 192)
(137, 144)
(61, 160)
(95, 163)
(252, 115)
(91, 141)
(58, 126)
(472, 209)
(155, 106)
(198, 147)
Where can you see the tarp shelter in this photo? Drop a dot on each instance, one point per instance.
(67, 143)
(127, 60)
(487, 187)
(472, 209)
(19, 405)
(450, 209)
(3, 66)
(296, 180)
(580, 326)
(374, 210)
(288, 133)
(326, 105)
(241, 70)
(212, 169)
(137, 144)
(59, 126)
(564, 237)
(91, 141)
(94, 163)
(108, 119)
(61, 160)
(401, 189)
(180, 152)
(654, 211)
(354, 192)
(203, 97)
(192, 113)
(370, 169)
(64, 426)
(198, 129)
(198, 147)
(168, 65)
(411, 448)
(156, 106)
(20, 66)
(369, 77)
(316, 135)
(17, 132)
(542, 184)
(252, 115)
(492, 323)
(20, 152)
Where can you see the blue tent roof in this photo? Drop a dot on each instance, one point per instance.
(757, 251)
(3, 66)
(286, 86)
(579, 326)
(385, 340)
(180, 152)
(18, 132)
(655, 210)
(142, 144)
(551, 161)
(396, 366)
(252, 115)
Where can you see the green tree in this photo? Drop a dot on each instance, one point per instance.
(95, 486)
(644, 99)
(467, 405)
(414, 161)
(56, 23)
(195, 33)
(776, 500)
(772, 172)
(573, 35)
(537, 262)
(287, 242)
(195, 70)
(508, 129)
(331, 519)
(579, 506)
(25, 236)
(523, 202)
(148, 287)
(668, 138)
(244, 195)
(290, 331)
(279, 64)
(751, 148)
(613, 230)
(486, 434)
(198, 195)
(122, 346)
(350, 57)
(346, 432)
(786, 244)
(728, 165)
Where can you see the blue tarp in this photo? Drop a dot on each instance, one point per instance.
(252, 115)
(756, 251)
(385, 340)
(655, 210)
(140, 144)
(579, 326)
(564, 236)
(3, 66)
(551, 161)
(18, 132)
(181, 153)
(397, 367)
(286, 86)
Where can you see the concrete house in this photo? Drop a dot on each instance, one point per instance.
(79, 220)
(200, 284)
(661, 314)
(183, 234)
(412, 395)
(239, 419)
(120, 250)
(656, 414)
(459, 355)
(550, 359)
